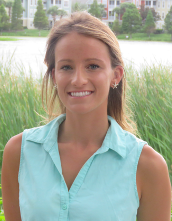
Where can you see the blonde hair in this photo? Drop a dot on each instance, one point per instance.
(84, 23)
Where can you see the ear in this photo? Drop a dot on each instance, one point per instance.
(117, 76)
(53, 76)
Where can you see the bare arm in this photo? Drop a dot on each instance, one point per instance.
(155, 202)
(10, 186)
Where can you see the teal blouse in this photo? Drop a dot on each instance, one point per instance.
(104, 189)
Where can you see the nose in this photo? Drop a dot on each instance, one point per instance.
(79, 78)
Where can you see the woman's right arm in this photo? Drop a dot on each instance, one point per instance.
(9, 178)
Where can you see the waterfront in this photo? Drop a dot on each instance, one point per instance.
(30, 52)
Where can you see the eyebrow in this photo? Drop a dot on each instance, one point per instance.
(89, 59)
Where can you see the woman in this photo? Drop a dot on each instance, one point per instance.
(84, 165)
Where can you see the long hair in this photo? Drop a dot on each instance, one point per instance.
(84, 23)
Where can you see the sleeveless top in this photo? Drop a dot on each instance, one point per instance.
(104, 189)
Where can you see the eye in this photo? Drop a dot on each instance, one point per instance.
(93, 66)
(66, 67)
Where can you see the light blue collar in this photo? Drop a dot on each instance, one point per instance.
(47, 135)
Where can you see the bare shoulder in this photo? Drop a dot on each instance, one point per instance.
(13, 148)
(9, 178)
(155, 202)
(151, 162)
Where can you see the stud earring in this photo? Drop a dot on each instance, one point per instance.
(114, 85)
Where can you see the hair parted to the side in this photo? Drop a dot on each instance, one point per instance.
(86, 24)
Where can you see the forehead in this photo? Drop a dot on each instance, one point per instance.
(74, 43)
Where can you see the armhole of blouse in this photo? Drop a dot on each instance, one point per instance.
(139, 151)
(21, 154)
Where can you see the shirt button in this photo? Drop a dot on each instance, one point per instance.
(64, 206)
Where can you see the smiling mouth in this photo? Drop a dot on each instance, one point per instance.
(80, 94)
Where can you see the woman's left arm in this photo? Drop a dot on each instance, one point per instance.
(155, 202)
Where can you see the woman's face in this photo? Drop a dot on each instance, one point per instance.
(83, 73)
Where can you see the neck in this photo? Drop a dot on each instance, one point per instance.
(84, 130)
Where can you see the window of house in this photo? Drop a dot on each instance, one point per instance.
(163, 4)
(118, 3)
(31, 2)
(154, 3)
(66, 3)
(158, 4)
(22, 1)
(104, 15)
(162, 15)
(111, 2)
(148, 2)
(59, 2)
(168, 3)
(51, 1)
(137, 3)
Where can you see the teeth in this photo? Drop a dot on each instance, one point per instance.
(80, 94)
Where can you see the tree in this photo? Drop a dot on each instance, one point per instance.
(116, 27)
(144, 12)
(9, 5)
(53, 11)
(131, 20)
(97, 10)
(149, 24)
(4, 18)
(17, 11)
(77, 6)
(61, 13)
(40, 19)
(168, 22)
(121, 10)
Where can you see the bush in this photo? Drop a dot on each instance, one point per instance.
(158, 31)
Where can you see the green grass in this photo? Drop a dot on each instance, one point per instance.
(135, 36)
(151, 92)
(28, 33)
(144, 37)
(8, 39)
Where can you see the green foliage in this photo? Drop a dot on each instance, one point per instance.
(78, 6)
(149, 24)
(9, 5)
(28, 32)
(116, 27)
(62, 13)
(17, 11)
(144, 12)
(131, 20)
(168, 22)
(20, 99)
(53, 11)
(97, 10)
(4, 19)
(121, 10)
(158, 31)
(40, 19)
(152, 104)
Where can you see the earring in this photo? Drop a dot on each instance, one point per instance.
(114, 85)
(55, 86)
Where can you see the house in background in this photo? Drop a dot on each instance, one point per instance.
(30, 9)
(160, 6)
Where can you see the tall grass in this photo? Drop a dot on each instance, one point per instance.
(151, 95)
(20, 99)
(151, 99)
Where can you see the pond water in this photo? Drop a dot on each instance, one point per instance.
(31, 51)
